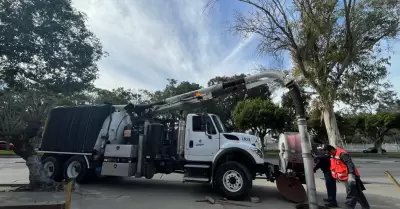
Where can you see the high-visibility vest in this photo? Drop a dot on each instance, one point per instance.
(338, 168)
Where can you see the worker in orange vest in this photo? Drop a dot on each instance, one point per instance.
(322, 161)
(344, 170)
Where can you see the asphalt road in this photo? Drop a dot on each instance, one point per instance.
(167, 191)
(370, 169)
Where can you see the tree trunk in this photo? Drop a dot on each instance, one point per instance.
(37, 175)
(378, 145)
(262, 138)
(332, 128)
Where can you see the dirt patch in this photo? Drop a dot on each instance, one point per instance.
(57, 187)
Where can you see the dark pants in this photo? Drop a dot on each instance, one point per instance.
(355, 194)
(330, 183)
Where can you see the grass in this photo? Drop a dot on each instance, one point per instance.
(275, 153)
(6, 152)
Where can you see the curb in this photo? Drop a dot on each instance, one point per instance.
(13, 185)
(9, 156)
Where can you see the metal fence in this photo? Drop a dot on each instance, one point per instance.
(349, 147)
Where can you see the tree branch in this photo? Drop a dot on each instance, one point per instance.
(273, 19)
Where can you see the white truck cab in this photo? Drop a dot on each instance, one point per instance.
(206, 137)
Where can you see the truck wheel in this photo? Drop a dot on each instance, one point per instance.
(76, 168)
(233, 180)
(53, 168)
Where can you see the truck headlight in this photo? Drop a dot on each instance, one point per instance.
(257, 151)
(258, 143)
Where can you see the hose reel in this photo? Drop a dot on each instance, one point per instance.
(290, 159)
(291, 166)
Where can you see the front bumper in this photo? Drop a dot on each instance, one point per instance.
(270, 171)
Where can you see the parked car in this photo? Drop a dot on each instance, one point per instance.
(3, 145)
(373, 150)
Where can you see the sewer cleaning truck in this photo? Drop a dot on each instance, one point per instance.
(135, 140)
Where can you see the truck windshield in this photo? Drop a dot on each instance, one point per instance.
(220, 126)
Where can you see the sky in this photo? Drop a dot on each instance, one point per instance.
(149, 41)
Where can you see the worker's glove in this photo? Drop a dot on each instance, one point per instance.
(352, 179)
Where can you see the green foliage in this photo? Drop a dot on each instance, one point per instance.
(46, 43)
(172, 89)
(259, 115)
(347, 125)
(376, 126)
(117, 96)
(363, 89)
(18, 107)
(371, 126)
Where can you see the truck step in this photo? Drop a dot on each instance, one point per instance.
(196, 166)
(195, 179)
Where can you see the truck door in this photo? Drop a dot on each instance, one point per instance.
(202, 139)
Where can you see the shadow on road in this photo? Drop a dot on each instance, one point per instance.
(175, 191)
(168, 187)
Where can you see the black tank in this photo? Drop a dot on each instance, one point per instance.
(74, 129)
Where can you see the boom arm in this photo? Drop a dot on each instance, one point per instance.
(220, 89)
(211, 92)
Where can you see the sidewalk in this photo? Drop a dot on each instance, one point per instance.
(13, 171)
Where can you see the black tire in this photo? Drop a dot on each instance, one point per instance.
(55, 165)
(302, 179)
(83, 173)
(244, 174)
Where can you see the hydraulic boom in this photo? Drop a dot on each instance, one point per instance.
(211, 92)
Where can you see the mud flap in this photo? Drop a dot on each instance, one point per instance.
(291, 188)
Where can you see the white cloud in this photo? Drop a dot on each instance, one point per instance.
(151, 40)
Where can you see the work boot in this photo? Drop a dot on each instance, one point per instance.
(331, 205)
